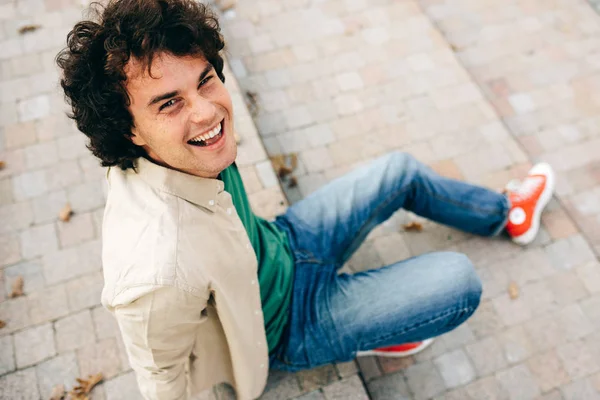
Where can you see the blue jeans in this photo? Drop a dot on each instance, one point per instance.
(333, 316)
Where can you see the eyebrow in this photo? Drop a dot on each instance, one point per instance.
(174, 93)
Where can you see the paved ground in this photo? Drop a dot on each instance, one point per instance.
(478, 89)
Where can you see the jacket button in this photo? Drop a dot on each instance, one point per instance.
(211, 203)
(262, 365)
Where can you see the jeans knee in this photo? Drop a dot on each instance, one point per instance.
(468, 284)
(399, 159)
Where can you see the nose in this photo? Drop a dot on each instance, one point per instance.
(202, 110)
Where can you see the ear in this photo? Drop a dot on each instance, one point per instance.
(136, 138)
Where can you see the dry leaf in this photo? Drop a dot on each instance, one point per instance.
(66, 213)
(85, 387)
(280, 166)
(58, 392)
(28, 28)
(513, 290)
(293, 160)
(17, 287)
(252, 102)
(293, 182)
(2, 324)
(2, 164)
(413, 226)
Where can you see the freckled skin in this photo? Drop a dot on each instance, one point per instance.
(163, 129)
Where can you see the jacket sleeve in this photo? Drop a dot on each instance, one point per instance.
(159, 330)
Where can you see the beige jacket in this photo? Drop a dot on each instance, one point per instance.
(181, 279)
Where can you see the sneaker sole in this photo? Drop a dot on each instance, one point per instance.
(426, 344)
(545, 197)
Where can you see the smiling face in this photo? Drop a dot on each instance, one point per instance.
(183, 116)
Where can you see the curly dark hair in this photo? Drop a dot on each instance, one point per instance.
(97, 52)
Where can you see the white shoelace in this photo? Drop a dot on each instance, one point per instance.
(526, 188)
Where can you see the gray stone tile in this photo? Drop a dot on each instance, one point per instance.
(56, 371)
(346, 369)
(347, 389)
(516, 344)
(553, 395)
(123, 387)
(487, 356)
(281, 385)
(389, 387)
(15, 314)
(86, 196)
(580, 390)
(590, 276)
(570, 252)
(15, 217)
(316, 378)
(30, 271)
(457, 337)
(19, 385)
(105, 323)
(487, 388)
(34, 345)
(591, 309)
(29, 185)
(485, 321)
(455, 368)
(518, 382)
(369, 368)
(577, 359)
(548, 370)
(78, 229)
(38, 240)
(47, 207)
(10, 249)
(224, 391)
(365, 258)
(74, 331)
(512, 311)
(539, 298)
(85, 292)
(424, 380)
(7, 355)
(391, 248)
(545, 332)
(316, 395)
(567, 288)
(102, 356)
(575, 323)
(48, 304)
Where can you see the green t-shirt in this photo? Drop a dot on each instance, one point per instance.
(275, 259)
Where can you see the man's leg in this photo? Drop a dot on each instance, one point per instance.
(333, 221)
(336, 316)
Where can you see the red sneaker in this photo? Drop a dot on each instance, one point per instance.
(401, 350)
(528, 202)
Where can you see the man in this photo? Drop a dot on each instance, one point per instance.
(202, 289)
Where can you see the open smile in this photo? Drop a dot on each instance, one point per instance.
(210, 138)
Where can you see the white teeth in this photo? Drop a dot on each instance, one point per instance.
(214, 132)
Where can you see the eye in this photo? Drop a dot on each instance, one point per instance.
(204, 81)
(168, 104)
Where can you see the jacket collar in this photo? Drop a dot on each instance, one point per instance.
(195, 189)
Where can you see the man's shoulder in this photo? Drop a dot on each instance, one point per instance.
(139, 236)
